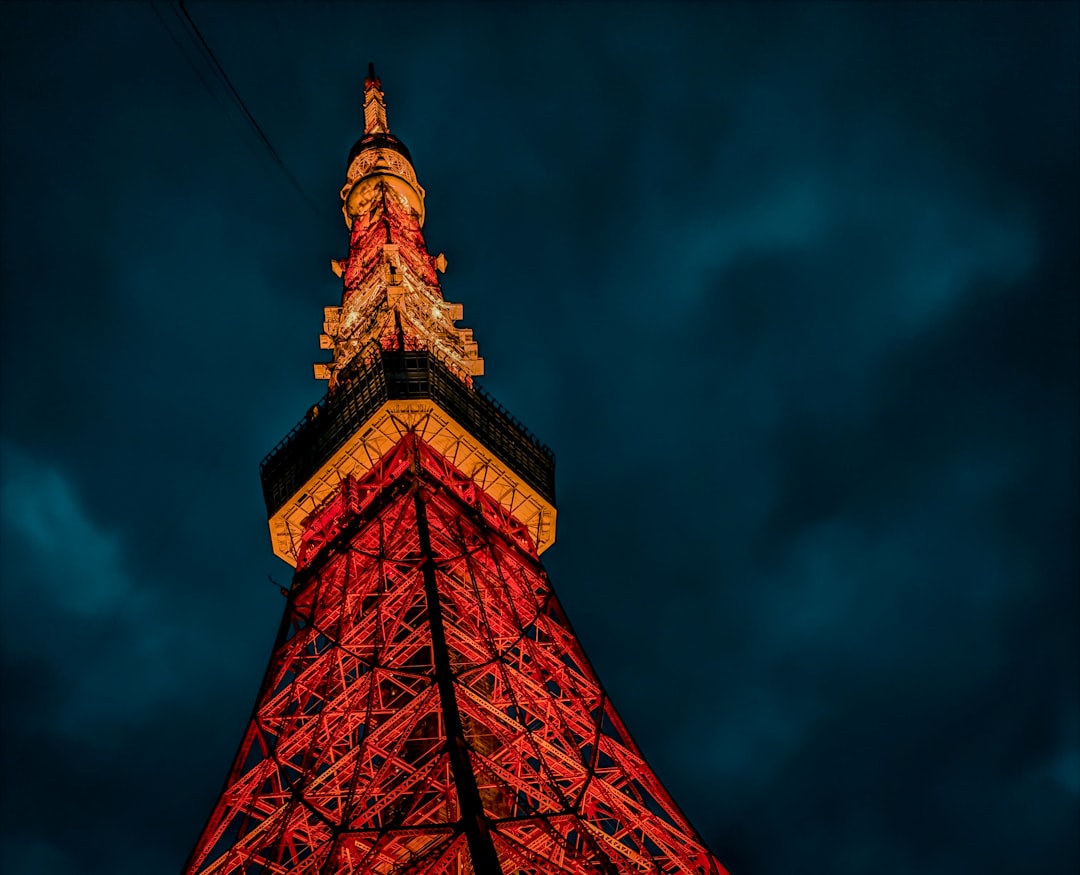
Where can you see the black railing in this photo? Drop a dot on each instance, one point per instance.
(401, 375)
(378, 141)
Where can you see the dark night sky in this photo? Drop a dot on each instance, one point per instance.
(790, 289)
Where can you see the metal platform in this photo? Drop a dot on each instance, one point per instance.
(395, 375)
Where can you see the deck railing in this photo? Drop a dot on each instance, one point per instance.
(395, 375)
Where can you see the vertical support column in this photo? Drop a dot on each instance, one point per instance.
(473, 820)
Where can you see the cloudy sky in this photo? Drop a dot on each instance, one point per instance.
(790, 289)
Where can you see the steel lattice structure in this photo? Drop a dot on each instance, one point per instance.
(427, 707)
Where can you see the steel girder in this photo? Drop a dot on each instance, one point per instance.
(428, 709)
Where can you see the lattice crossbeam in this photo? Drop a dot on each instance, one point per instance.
(347, 765)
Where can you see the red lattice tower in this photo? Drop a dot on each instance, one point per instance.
(427, 707)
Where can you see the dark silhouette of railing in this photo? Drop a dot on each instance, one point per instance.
(378, 141)
(393, 375)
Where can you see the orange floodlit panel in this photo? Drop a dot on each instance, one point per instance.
(435, 427)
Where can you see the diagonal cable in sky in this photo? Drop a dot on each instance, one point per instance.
(185, 52)
(243, 106)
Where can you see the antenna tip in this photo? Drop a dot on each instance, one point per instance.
(371, 69)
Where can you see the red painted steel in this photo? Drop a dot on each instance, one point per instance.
(346, 766)
(427, 707)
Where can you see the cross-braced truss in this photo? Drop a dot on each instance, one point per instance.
(427, 708)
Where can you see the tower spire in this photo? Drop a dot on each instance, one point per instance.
(374, 104)
(391, 297)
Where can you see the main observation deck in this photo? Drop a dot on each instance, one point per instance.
(351, 428)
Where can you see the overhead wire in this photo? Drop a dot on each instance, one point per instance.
(198, 55)
(184, 16)
(185, 52)
(180, 47)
